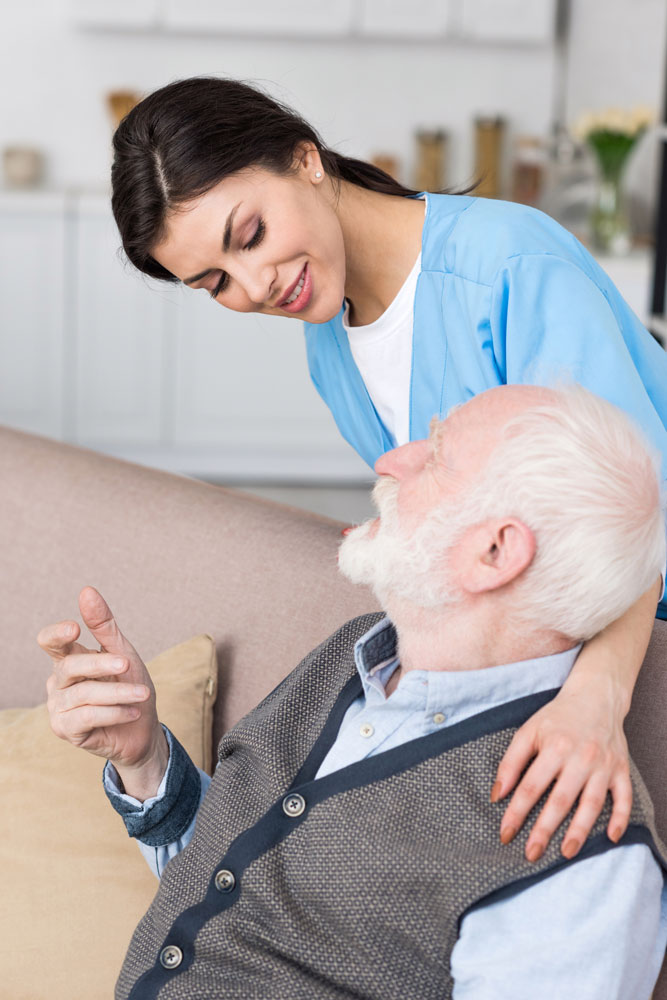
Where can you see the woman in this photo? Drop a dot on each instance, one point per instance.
(411, 304)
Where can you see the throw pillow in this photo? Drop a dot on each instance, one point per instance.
(74, 886)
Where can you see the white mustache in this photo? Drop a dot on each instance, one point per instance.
(385, 497)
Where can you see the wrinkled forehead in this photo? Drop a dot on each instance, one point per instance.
(461, 419)
(478, 423)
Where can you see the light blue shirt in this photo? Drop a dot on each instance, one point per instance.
(595, 930)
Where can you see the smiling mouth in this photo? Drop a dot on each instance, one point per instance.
(297, 291)
(300, 295)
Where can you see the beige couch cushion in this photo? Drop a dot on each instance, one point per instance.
(74, 886)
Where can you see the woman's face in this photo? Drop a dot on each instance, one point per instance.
(262, 242)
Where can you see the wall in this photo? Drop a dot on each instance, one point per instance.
(617, 53)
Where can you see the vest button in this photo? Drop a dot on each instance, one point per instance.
(294, 805)
(171, 956)
(224, 880)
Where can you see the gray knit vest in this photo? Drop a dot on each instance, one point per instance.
(350, 886)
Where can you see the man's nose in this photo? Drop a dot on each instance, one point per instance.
(403, 461)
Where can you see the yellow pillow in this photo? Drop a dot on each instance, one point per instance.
(73, 884)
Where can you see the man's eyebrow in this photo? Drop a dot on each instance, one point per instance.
(226, 241)
(435, 433)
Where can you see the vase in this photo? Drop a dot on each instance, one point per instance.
(609, 220)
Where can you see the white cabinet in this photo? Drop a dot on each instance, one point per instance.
(242, 391)
(419, 19)
(34, 346)
(496, 21)
(137, 14)
(120, 343)
(290, 18)
(524, 21)
(94, 353)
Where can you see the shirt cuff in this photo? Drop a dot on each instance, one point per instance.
(167, 815)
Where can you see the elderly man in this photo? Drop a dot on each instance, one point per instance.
(346, 846)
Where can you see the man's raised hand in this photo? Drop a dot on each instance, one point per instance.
(104, 701)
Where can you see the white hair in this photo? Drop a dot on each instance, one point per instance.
(582, 477)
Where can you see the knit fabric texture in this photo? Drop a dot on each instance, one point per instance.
(352, 885)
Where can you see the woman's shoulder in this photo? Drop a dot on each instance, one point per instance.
(475, 237)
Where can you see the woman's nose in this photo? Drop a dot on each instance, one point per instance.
(259, 283)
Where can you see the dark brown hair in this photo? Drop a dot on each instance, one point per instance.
(181, 140)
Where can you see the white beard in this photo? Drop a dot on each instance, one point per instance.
(393, 563)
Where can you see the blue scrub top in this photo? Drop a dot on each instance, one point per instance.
(505, 296)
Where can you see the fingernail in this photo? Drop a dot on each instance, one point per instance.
(70, 630)
(139, 690)
(570, 848)
(507, 833)
(117, 664)
(495, 791)
(616, 834)
(534, 852)
(346, 531)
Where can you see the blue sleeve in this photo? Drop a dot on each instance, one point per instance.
(169, 814)
(552, 323)
(157, 858)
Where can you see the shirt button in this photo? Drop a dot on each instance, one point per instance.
(294, 805)
(224, 880)
(366, 730)
(439, 718)
(171, 956)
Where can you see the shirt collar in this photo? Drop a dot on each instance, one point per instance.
(455, 691)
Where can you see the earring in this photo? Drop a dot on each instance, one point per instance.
(318, 174)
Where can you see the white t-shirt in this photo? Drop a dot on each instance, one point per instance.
(382, 352)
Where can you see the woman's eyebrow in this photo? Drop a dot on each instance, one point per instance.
(226, 241)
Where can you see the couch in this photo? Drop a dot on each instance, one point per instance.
(176, 559)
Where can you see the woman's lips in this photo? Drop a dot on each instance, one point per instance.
(304, 296)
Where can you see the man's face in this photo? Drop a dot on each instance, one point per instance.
(414, 549)
(410, 549)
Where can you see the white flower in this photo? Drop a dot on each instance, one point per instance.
(621, 121)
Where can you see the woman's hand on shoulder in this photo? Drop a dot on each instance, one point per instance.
(577, 744)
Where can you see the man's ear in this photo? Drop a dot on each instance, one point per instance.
(494, 554)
